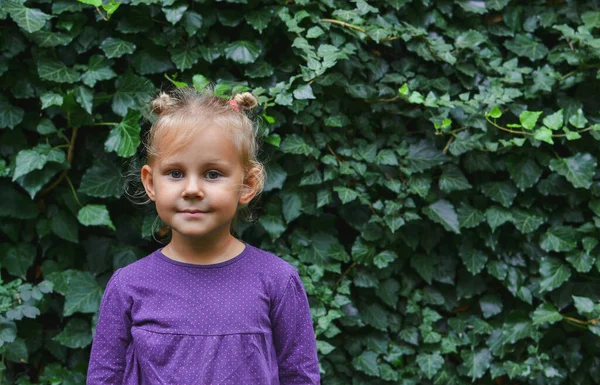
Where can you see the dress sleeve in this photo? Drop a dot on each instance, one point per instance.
(112, 338)
(294, 336)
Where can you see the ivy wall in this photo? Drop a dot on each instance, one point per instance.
(432, 175)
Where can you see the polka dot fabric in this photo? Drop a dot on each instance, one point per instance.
(242, 321)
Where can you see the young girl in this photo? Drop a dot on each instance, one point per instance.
(207, 308)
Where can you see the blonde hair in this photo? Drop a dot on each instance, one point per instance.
(182, 111)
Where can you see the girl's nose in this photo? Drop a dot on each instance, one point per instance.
(193, 189)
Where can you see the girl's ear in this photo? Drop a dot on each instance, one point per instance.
(250, 187)
(148, 181)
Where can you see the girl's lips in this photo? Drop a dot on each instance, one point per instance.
(193, 213)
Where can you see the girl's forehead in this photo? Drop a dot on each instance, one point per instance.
(208, 144)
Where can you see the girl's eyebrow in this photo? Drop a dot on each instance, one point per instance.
(209, 163)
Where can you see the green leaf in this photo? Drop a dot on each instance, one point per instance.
(423, 156)
(346, 194)
(324, 246)
(473, 259)
(497, 216)
(443, 213)
(473, 6)
(36, 179)
(546, 314)
(95, 3)
(469, 217)
(527, 46)
(578, 120)
(429, 364)
(102, 180)
(452, 179)
(554, 274)
(526, 221)
(583, 305)
(174, 15)
(578, 169)
(424, 265)
(17, 259)
(471, 39)
(304, 92)
(476, 362)
(111, 8)
(295, 144)
(98, 69)
(366, 362)
(124, 138)
(491, 305)
(502, 192)
(273, 224)
(36, 158)
(591, 19)
(543, 134)
(192, 22)
(10, 116)
(56, 71)
(114, 47)
(242, 52)
(581, 260)
(200, 82)
(95, 215)
(495, 113)
(50, 98)
(65, 226)
(523, 171)
(291, 206)
(559, 239)
(362, 252)
(77, 334)
(528, 119)
(16, 351)
(83, 294)
(184, 57)
(554, 121)
(132, 92)
(29, 19)
(85, 98)
(314, 32)
(259, 19)
(8, 332)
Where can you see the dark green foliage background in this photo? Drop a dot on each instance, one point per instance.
(432, 175)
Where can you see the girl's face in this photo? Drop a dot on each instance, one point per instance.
(198, 188)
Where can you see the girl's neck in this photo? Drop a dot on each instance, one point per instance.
(203, 252)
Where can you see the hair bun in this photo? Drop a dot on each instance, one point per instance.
(162, 103)
(246, 100)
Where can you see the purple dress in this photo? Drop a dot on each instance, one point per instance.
(242, 321)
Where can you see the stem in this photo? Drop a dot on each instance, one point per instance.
(507, 129)
(101, 14)
(345, 273)
(73, 191)
(445, 151)
(106, 124)
(578, 132)
(530, 134)
(383, 100)
(63, 174)
(334, 154)
(343, 24)
(592, 322)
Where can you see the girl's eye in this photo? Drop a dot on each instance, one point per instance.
(212, 175)
(176, 174)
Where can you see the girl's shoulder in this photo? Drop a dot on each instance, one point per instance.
(266, 262)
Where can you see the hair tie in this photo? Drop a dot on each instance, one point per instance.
(234, 105)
